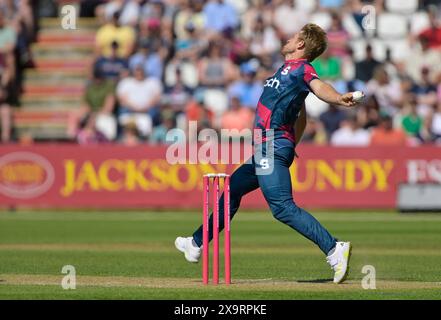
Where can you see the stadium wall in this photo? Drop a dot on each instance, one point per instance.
(67, 176)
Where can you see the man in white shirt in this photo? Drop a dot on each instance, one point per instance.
(350, 135)
(139, 97)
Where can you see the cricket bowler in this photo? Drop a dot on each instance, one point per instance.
(282, 108)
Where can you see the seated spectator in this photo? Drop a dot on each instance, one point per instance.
(422, 56)
(386, 135)
(258, 8)
(248, 89)
(338, 38)
(411, 122)
(350, 134)
(155, 9)
(328, 67)
(190, 14)
(220, 15)
(314, 132)
(263, 40)
(388, 93)
(111, 67)
(149, 58)
(332, 119)
(286, 11)
(425, 91)
(433, 33)
(160, 132)
(435, 124)
(151, 31)
(364, 69)
(88, 133)
(215, 70)
(129, 11)
(197, 111)
(237, 117)
(191, 47)
(179, 94)
(138, 98)
(99, 99)
(112, 32)
(130, 136)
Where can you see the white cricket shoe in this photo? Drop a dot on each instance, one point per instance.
(185, 245)
(339, 261)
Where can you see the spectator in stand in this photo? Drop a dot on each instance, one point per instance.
(149, 58)
(328, 67)
(138, 98)
(247, 88)
(237, 117)
(112, 32)
(88, 133)
(99, 100)
(129, 11)
(314, 132)
(422, 56)
(350, 134)
(286, 11)
(364, 70)
(411, 122)
(215, 70)
(263, 41)
(157, 9)
(197, 111)
(338, 37)
(192, 14)
(258, 8)
(220, 15)
(111, 67)
(159, 135)
(388, 93)
(332, 119)
(435, 124)
(178, 96)
(386, 135)
(150, 30)
(130, 135)
(433, 33)
(191, 47)
(426, 92)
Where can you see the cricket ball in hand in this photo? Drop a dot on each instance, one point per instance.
(357, 96)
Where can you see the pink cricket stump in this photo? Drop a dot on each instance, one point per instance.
(227, 230)
(216, 230)
(205, 242)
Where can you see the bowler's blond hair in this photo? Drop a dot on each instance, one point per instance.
(315, 40)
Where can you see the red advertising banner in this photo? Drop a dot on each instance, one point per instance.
(140, 177)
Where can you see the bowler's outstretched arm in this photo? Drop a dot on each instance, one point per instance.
(327, 93)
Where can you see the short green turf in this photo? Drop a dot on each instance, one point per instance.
(404, 249)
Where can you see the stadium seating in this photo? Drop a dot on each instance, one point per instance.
(402, 6)
(391, 25)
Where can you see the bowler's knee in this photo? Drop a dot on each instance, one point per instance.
(285, 210)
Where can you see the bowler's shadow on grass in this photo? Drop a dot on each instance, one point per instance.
(316, 281)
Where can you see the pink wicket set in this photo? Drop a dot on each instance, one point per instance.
(205, 227)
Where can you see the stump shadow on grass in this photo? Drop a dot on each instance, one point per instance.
(315, 281)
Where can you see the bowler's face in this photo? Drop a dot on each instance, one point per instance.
(291, 45)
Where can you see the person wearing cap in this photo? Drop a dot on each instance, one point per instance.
(111, 67)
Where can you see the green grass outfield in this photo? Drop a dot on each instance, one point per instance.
(131, 255)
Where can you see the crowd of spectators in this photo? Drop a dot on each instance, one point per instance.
(17, 31)
(161, 63)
